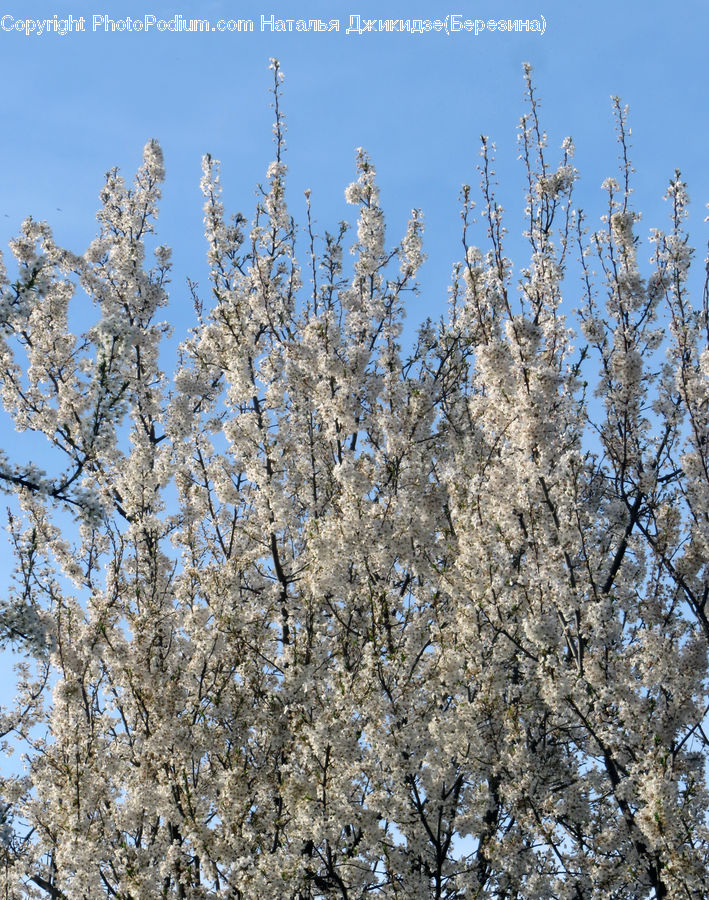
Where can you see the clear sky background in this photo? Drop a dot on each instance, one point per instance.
(75, 105)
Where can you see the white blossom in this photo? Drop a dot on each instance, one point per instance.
(319, 617)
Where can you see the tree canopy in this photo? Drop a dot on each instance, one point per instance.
(330, 618)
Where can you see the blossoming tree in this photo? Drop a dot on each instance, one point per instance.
(338, 621)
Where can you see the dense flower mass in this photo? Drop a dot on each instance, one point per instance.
(333, 620)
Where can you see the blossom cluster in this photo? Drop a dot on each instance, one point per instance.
(334, 619)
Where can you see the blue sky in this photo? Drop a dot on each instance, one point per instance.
(75, 105)
(78, 104)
